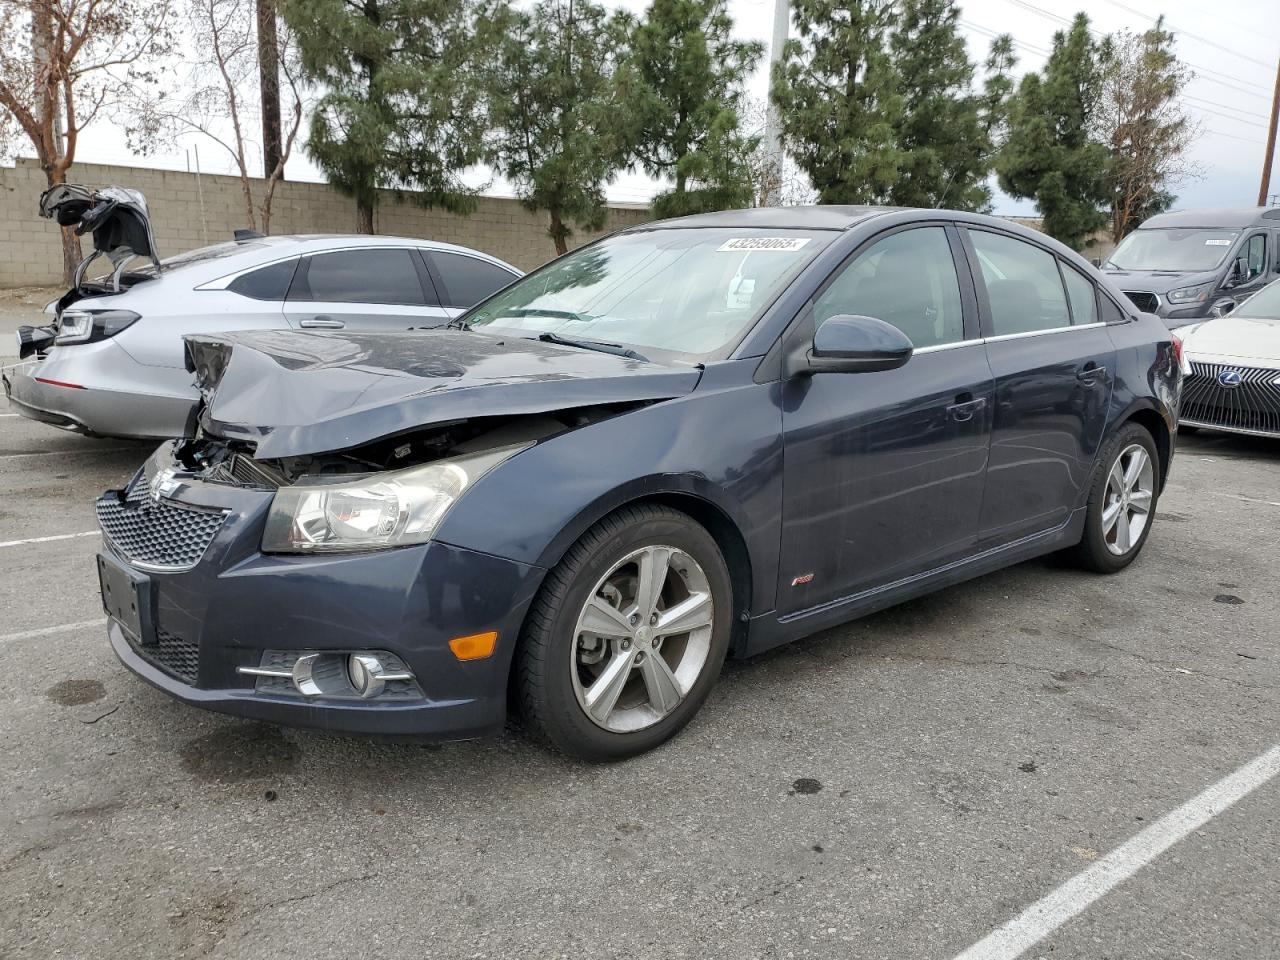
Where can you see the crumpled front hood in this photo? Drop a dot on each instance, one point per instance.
(295, 393)
(1245, 339)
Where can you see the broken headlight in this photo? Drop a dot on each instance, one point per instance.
(375, 512)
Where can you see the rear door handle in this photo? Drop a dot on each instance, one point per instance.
(965, 407)
(321, 323)
(1091, 372)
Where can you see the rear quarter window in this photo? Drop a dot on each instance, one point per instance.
(266, 283)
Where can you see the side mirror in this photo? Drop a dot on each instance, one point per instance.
(1222, 308)
(1238, 273)
(854, 344)
(1096, 261)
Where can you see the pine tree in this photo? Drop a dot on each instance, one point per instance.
(1051, 155)
(946, 155)
(836, 94)
(554, 109)
(402, 96)
(684, 89)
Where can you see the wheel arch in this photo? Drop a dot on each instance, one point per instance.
(1155, 423)
(689, 495)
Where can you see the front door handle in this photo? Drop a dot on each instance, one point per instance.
(1091, 373)
(321, 323)
(965, 407)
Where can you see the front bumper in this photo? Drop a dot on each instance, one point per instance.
(1231, 397)
(236, 602)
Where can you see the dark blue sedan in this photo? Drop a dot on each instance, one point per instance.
(698, 438)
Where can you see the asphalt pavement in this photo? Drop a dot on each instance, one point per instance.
(899, 787)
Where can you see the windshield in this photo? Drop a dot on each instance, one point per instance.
(1265, 304)
(1180, 251)
(690, 292)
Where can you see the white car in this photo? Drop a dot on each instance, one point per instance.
(1234, 384)
(112, 362)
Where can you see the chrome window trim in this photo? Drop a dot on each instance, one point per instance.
(1043, 333)
(221, 283)
(939, 347)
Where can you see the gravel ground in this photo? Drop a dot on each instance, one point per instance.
(894, 788)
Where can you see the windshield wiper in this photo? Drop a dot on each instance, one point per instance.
(617, 349)
(457, 323)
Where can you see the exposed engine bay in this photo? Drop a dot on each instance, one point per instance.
(232, 462)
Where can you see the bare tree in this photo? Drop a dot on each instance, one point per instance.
(65, 64)
(1141, 119)
(782, 184)
(216, 98)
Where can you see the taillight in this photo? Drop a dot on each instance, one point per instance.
(86, 326)
(1179, 357)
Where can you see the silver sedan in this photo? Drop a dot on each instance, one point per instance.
(111, 362)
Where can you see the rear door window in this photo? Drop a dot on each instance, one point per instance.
(1024, 288)
(374, 275)
(468, 280)
(1081, 294)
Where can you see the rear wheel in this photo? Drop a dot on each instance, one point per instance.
(1122, 502)
(627, 636)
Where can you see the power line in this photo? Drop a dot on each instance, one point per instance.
(1058, 18)
(1232, 136)
(1194, 36)
(1210, 106)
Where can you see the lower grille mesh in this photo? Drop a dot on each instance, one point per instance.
(175, 656)
(1253, 405)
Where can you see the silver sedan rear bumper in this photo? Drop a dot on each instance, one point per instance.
(50, 396)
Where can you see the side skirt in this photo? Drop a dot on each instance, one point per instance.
(767, 630)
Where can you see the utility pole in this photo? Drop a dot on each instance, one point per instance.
(1270, 157)
(269, 85)
(773, 123)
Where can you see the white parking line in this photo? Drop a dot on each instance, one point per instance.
(50, 631)
(1046, 915)
(65, 453)
(60, 536)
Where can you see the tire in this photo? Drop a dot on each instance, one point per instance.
(1103, 547)
(558, 665)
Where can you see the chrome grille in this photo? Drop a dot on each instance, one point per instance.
(156, 534)
(1251, 407)
(175, 656)
(1146, 302)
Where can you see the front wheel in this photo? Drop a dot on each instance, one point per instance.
(1122, 502)
(627, 635)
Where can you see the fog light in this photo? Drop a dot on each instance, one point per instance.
(366, 674)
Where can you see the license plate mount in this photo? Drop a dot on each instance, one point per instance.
(126, 598)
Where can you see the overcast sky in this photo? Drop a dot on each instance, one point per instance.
(1233, 55)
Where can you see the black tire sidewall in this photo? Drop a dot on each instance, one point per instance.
(1095, 552)
(563, 720)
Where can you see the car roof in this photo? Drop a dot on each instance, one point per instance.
(833, 217)
(1214, 217)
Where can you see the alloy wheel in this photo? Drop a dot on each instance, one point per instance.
(642, 639)
(1130, 492)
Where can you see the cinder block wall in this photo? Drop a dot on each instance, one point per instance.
(187, 215)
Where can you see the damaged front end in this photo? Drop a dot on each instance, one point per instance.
(367, 441)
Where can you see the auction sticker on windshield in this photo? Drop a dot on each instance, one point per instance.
(784, 244)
